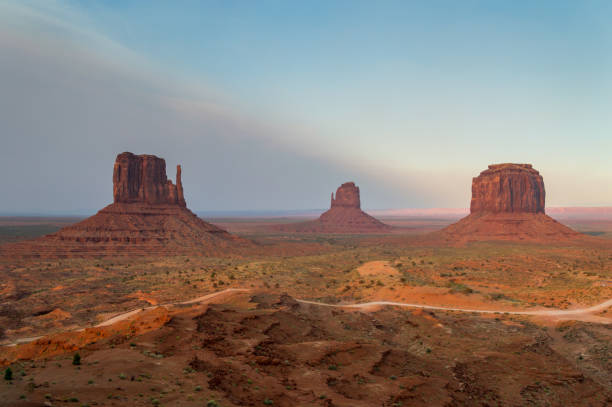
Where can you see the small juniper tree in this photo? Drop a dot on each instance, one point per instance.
(8, 374)
(76, 359)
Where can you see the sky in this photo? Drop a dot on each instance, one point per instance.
(271, 105)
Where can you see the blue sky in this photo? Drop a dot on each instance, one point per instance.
(272, 104)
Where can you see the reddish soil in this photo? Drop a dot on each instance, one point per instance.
(275, 351)
(57, 344)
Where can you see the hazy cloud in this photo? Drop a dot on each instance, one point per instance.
(66, 111)
(71, 99)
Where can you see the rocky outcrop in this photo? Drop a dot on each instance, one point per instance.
(347, 196)
(148, 217)
(142, 179)
(344, 216)
(508, 188)
(508, 203)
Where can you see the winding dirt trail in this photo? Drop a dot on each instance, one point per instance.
(543, 312)
(363, 305)
(203, 298)
(127, 314)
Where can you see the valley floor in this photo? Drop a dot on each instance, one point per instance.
(503, 325)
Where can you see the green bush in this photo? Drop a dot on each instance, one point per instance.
(8, 374)
(76, 359)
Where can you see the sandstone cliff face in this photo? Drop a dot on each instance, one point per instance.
(508, 188)
(142, 179)
(347, 196)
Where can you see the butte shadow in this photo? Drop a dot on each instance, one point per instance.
(344, 216)
(148, 217)
(508, 203)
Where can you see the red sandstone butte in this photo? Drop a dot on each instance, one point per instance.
(344, 216)
(508, 203)
(142, 179)
(347, 196)
(148, 217)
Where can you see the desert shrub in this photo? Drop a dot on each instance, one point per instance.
(212, 403)
(76, 359)
(499, 296)
(457, 288)
(8, 374)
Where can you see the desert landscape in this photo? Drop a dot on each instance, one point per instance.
(163, 308)
(321, 203)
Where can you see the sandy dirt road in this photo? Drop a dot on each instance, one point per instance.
(365, 305)
(542, 312)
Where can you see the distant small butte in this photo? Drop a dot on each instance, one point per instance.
(344, 216)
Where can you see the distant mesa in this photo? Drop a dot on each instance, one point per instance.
(344, 216)
(508, 203)
(149, 216)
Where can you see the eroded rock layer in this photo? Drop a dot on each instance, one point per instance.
(508, 203)
(148, 217)
(508, 188)
(534, 227)
(344, 216)
(142, 179)
(347, 196)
